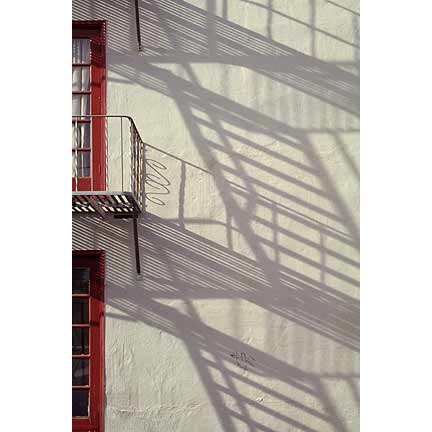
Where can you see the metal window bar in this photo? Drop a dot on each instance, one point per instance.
(115, 141)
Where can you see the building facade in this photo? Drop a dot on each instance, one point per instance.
(215, 183)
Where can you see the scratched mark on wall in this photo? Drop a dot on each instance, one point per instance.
(243, 360)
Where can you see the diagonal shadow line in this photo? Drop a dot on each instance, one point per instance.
(314, 28)
(267, 390)
(211, 271)
(265, 201)
(136, 303)
(224, 191)
(220, 179)
(207, 339)
(179, 89)
(345, 154)
(196, 356)
(237, 44)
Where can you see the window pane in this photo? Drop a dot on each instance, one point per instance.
(80, 135)
(84, 164)
(80, 403)
(80, 104)
(80, 309)
(80, 340)
(80, 51)
(81, 163)
(80, 78)
(80, 372)
(80, 280)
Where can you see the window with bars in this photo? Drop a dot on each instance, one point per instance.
(87, 341)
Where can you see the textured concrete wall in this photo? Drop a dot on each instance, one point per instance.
(246, 316)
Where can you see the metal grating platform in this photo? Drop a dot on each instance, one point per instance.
(103, 203)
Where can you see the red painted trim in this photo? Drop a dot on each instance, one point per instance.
(95, 259)
(96, 32)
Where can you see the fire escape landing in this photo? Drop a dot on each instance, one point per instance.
(123, 184)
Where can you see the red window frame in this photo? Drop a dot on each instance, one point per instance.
(95, 31)
(95, 260)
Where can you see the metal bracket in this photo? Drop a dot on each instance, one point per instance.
(135, 233)
(137, 22)
(134, 217)
(97, 207)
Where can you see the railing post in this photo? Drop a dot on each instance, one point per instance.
(76, 153)
(91, 155)
(132, 161)
(121, 145)
(106, 153)
(141, 173)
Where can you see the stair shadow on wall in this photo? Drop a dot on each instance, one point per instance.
(180, 265)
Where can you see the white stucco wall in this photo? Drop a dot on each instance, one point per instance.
(246, 315)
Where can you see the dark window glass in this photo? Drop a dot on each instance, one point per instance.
(80, 340)
(80, 280)
(80, 372)
(79, 403)
(80, 312)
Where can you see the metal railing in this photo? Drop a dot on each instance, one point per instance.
(122, 148)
